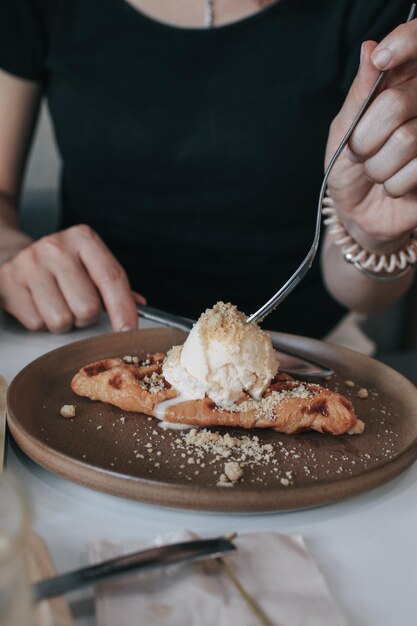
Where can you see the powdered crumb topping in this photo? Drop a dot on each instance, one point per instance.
(67, 411)
(265, 407)
(200, 456)
(222, 357)
(229, 325)
(244, 448)
(239, 454)
(223, 482)
(224, 319)
(233, 471)
(153, 383)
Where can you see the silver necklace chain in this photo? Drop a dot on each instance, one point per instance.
(209, 13)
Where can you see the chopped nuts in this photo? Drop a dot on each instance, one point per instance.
(266, 406)
(67, 410)
(153, 383)
(362, 393)
(223, 482)
(233, 471)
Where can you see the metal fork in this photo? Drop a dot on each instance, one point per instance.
(305, 265)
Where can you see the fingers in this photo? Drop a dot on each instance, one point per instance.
(18, 301)
(139, 298)
(361, 86)
(62, 289)
(63, 279)
(385, 140)
(51, 304)
(391, 109)
(110, 279)
(80, 294)
(399, 47)
(403, 182)
(399, 149)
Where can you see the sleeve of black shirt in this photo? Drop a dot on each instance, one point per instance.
(22, 42)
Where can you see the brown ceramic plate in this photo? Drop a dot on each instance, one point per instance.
(128, 455)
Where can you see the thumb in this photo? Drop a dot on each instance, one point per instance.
(137, 297)
(361, 86)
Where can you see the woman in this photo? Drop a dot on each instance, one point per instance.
(195, 154)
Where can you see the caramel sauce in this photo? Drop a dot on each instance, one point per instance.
(116, 381)
(320, 406)
(96, 368)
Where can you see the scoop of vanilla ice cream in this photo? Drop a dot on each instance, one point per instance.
(222, 357)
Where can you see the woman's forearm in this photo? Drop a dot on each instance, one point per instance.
(19, 106)
(354, 290)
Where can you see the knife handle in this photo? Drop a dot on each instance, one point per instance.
(163, 556)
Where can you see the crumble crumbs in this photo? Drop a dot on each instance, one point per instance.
(286, 462)
(67, 410)
(223, 482)
(153, 383)
(205, 447)
(265, 407)
(233, 471)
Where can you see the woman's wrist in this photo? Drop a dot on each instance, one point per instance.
(353, 289)
(12, 238)
(376, 245)
(377, 258)
(12, 241)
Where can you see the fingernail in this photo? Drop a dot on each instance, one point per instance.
(126, 327)
(382, 58)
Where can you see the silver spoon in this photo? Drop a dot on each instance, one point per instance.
(305, 265)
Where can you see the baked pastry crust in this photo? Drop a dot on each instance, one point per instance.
(287, 406)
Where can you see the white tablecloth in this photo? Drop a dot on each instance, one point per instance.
(366, 547)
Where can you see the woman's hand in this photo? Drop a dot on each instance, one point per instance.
(63, 280)
(374, 182)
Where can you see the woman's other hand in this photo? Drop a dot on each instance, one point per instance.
(374, 182)
(64, 280)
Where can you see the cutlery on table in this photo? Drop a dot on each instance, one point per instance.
(153, 558)
(290, 363)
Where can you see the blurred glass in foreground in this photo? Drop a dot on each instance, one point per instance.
(15, 595)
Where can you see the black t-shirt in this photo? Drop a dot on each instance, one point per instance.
(198, 154)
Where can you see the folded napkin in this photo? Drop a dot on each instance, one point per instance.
(276, 570)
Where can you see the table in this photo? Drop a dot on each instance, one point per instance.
(366, 547)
